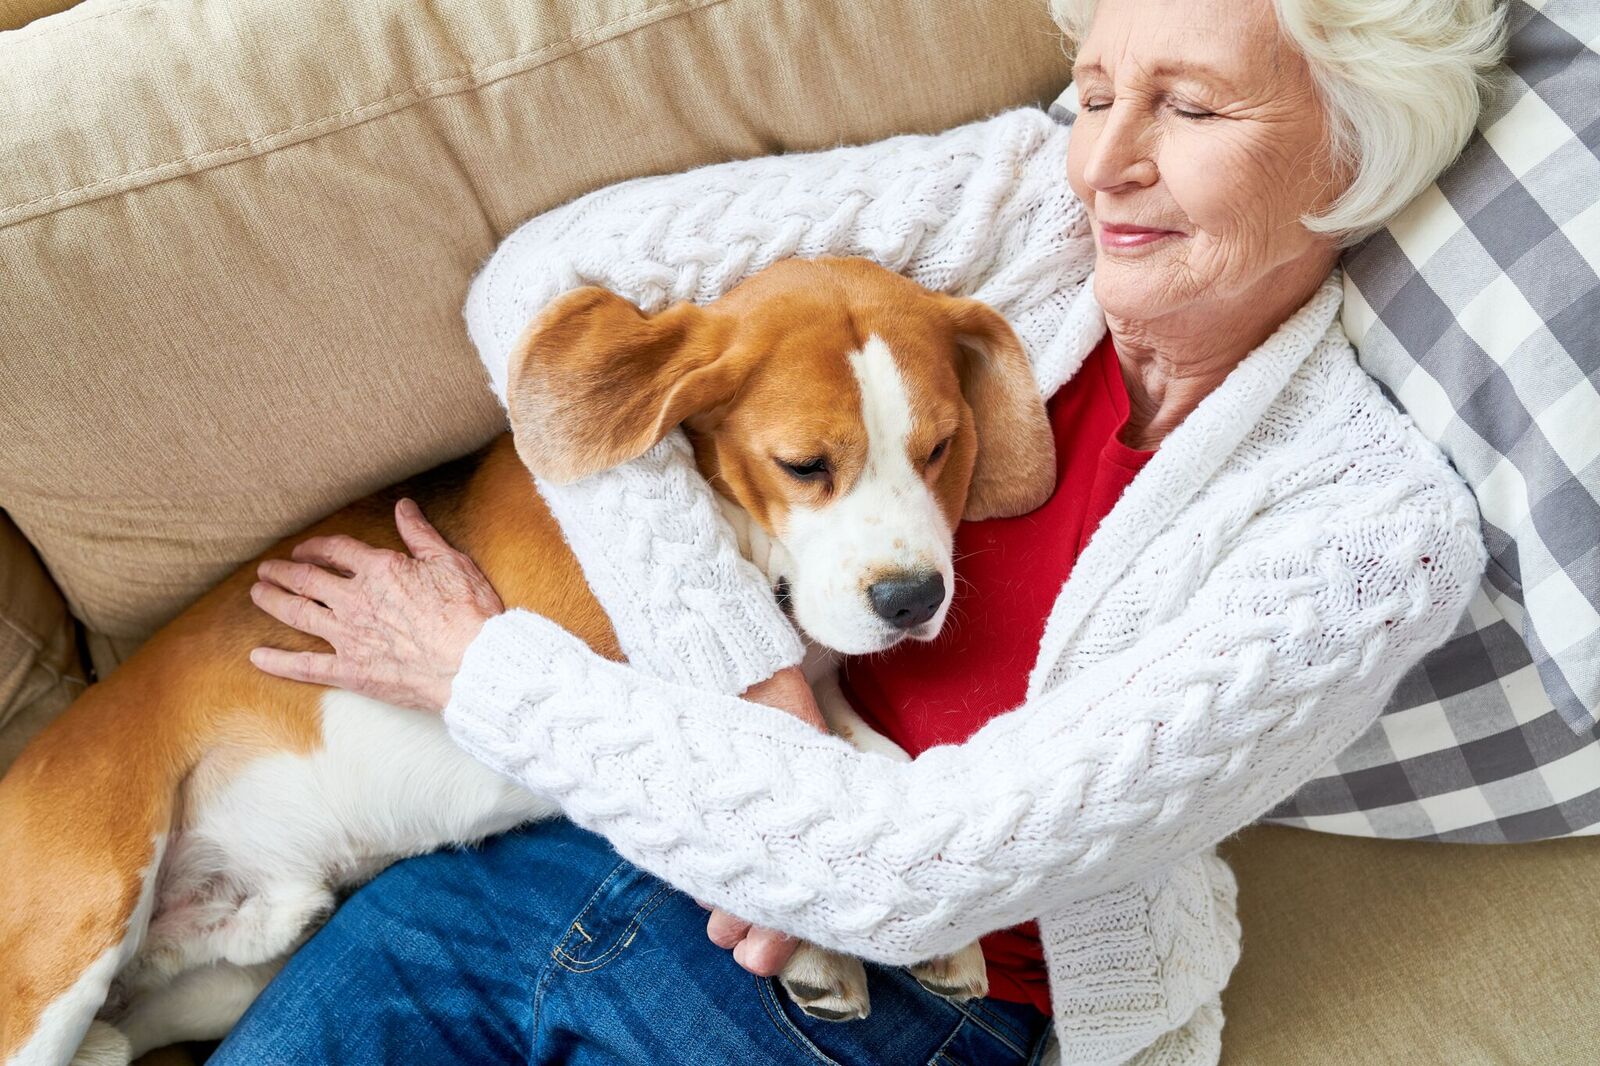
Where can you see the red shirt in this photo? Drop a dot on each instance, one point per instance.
(1012, 569)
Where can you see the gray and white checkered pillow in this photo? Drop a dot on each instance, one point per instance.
(1479, 309)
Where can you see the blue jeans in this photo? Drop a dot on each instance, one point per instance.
(543, 946)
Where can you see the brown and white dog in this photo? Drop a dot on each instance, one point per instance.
(190, 820)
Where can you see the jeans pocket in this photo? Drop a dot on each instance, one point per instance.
(778, 1006)
(610, 919)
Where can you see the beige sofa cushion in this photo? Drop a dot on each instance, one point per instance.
(40, 672)
(238, 235)
(1376, 952)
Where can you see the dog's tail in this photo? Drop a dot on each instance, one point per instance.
(84, 817)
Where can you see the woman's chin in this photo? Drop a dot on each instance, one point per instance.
(1138, 289)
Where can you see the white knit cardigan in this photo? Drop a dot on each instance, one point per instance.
(1239, 617)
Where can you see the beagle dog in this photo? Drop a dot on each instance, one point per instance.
(190, 820)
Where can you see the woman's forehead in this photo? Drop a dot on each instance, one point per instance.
(1228, 44)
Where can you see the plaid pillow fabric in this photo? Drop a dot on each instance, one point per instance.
(1479, 310)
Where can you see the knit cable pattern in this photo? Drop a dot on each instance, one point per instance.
(1281, 654)
(1238, 619)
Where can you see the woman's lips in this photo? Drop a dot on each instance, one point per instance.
(1113, 235)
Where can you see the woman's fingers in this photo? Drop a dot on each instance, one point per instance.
(304, 579)
(789, 691)
(338, 551)
(308, 616)
(421, 539)
(317, 668)
(724, 930)
(764, 952)
(761, 951)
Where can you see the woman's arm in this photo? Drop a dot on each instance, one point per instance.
(1278, 661)
(983, 210)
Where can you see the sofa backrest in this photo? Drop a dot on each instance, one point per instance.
(235, 238)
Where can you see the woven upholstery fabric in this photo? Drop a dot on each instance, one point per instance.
(1383, 952)
(234, 272)
(40, 671)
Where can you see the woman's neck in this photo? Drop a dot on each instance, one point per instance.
(1171, 363)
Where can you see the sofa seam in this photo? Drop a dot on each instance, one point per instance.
(434, 89)
(38, 647)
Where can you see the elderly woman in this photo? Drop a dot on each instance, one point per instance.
(1258, 546)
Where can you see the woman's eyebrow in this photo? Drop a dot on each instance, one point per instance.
(1179, 68)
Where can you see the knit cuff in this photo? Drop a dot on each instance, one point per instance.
(662, 561)
(518, 660)
(1133, 966)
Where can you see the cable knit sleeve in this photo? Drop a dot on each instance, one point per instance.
(1259, 666)
(981, 210)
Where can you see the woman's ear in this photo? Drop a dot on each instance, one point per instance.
(595, 381)
(1015, 469)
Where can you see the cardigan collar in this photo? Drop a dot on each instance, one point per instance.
(1185, 461)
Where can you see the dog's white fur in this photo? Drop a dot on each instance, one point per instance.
(889, 522)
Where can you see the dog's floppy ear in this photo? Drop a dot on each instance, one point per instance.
(1015, 470)
(595, 381)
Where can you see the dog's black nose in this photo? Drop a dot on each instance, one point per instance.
(907, 601)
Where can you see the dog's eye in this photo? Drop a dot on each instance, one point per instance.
(813, 469)
(938, 451)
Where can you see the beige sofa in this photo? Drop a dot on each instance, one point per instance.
(234, 240)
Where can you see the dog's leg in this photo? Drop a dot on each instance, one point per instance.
(202, 1004)
(962, 975)
(103, 1045)
(823, 983)
(274, 922)
(958, 977)
(57, 966)
(843, 720)
(267, 924)
(826, 984)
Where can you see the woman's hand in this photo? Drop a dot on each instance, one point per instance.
(761, 951)
(399, 624)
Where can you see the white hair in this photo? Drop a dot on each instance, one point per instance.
(1402, 82)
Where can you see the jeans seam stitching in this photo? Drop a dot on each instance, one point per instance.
(623, 939)
(1010, 1041)
(780, 1021)
(588, 905)
(982, 1013)
(545, 977)
(939, 1053)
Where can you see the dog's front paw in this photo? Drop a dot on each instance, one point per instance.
(827, 985)
(103, 1045)
(960, 977)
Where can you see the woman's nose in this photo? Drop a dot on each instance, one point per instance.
(1121, 157)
